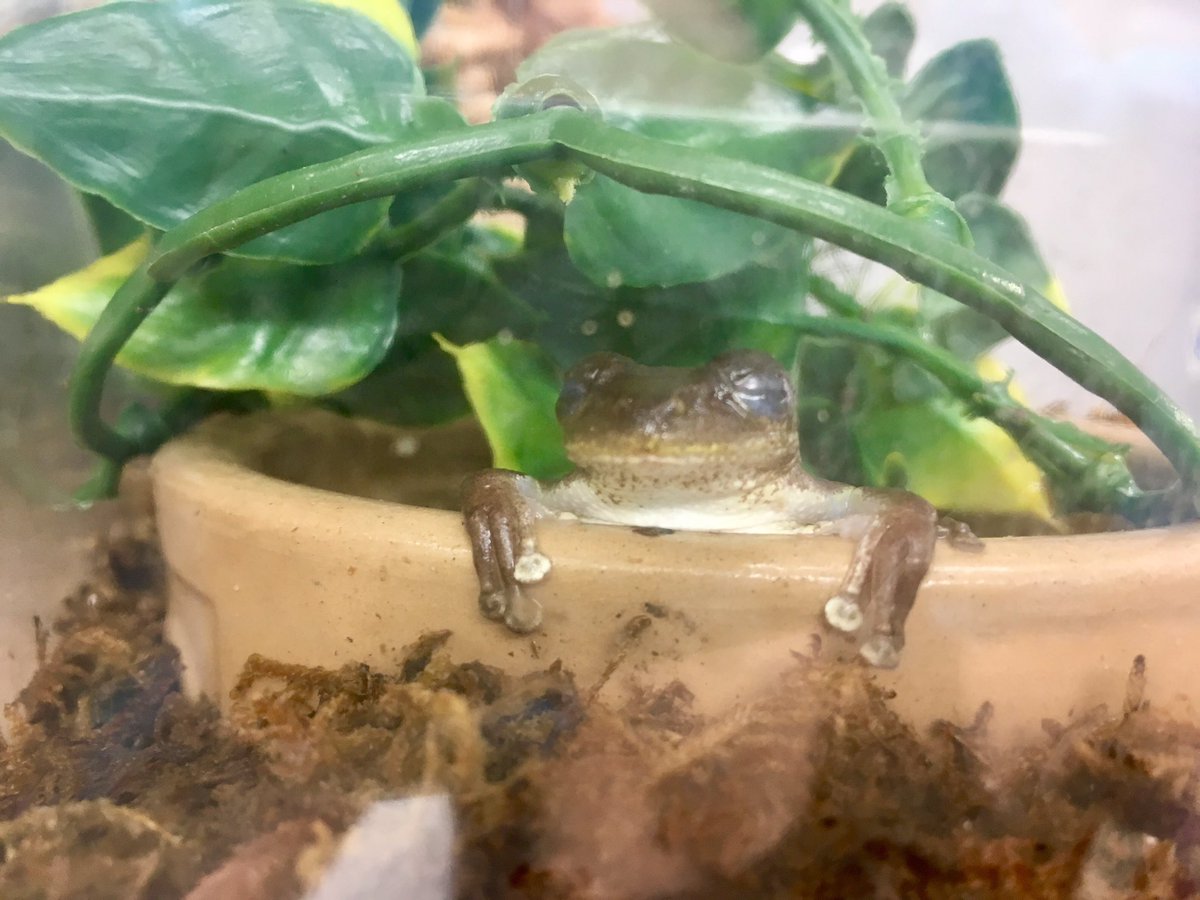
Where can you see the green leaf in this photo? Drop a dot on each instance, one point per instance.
(680, 325)
(734, 30)
(113, 227)
(1002, 235)
(891, 32)
(243, 324)
(513, 389)
(646, 83)
(828, 388)
(969, 116)
(110, 100)
(452, 289)
(422, 13)
(416, 385)
(956, 463)
(965, 105)
(619, 236)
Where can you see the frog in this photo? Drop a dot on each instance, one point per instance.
(712, 448)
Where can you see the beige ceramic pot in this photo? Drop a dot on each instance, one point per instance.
(286, 536)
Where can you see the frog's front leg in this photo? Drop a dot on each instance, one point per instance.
(499, 509)
(895, 533)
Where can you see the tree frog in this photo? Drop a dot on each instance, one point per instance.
(711, 448)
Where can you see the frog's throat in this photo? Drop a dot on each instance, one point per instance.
(752, 451)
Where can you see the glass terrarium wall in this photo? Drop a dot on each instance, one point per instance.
(648, 774)
(45, 539)
(43, 549)
(1107, 175)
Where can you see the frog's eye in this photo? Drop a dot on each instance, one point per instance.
(762, 392)
(570, 398)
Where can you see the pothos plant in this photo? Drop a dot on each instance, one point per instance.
(290, 211)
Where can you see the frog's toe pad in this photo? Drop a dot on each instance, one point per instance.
(524, 614)
(531, 566)
(843, 613)
(881, 652)
(493, 604)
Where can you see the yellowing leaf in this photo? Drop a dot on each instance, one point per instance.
(390, 15)
(242, 324)
(959, 464)
(66, 302)
(1054, 293)
(992, 369)
(513, 390)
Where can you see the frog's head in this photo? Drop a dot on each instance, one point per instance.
(738, 412)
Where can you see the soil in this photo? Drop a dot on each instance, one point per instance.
(114, 784)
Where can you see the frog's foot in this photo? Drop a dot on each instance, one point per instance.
(501, 597)
(499, 520)
(881, 651)
(843, 613)
(516, 609)
(524, 614)
(493, 604)
(959, 535)
(532, 565)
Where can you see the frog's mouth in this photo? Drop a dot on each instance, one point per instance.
(753, 452)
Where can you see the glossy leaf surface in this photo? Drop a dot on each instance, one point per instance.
(681, 325)
(513, 389)
(954, 462)
(243, 324)
(107, 99)
(651, 85)
(964, 104)
(619, 236)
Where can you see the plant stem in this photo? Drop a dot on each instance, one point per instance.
(462, 202)
(834, 298)
(268, 206)
(1097, 485)
(284, 199)
(909, 248)
(128, 308)
(543, 215)
(837, 28)
(527, 203)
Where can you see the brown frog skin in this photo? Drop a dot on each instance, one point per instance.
(713, 448)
